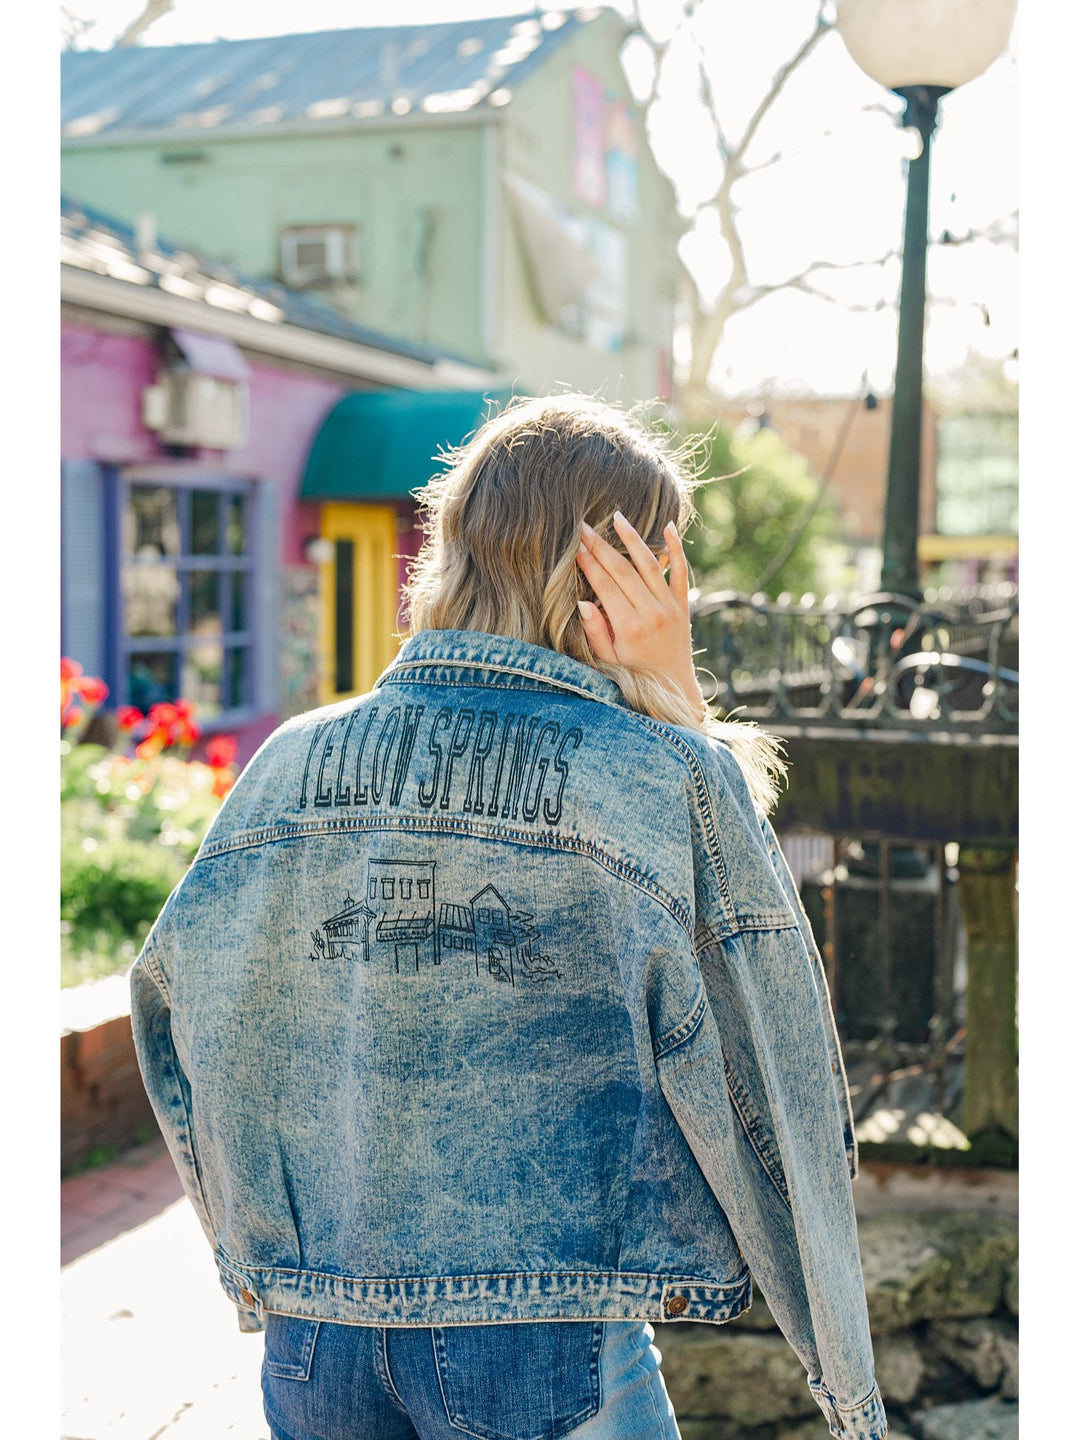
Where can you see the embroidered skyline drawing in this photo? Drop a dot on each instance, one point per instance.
(401, 919)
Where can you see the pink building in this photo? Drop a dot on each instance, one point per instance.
(211, 549)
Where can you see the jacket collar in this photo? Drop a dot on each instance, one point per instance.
(474, 650)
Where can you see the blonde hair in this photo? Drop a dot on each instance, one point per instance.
(502, 529)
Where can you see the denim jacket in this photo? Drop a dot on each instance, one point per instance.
(487, 998)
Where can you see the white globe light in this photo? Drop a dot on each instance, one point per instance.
(924, 42)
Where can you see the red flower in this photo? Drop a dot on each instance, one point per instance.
(186, 732)
(183, 709)
(223, 783)
(69, 669)
(92, 690)
(221, 751)
(70, 715)
(162, 715)
(129, 718)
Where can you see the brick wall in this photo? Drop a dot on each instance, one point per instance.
(102, 1101)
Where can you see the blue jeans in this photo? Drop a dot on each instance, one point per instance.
(542, 1380)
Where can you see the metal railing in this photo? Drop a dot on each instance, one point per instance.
(879, 662)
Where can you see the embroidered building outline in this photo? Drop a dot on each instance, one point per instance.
(397, 918)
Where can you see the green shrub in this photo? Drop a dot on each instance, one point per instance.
(129, 827)
(116, 883)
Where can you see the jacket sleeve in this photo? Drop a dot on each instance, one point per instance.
(828, 1020)
(168, 1090)
(754, 1090)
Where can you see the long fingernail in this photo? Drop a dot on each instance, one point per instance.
(620, 518)
(586, 529)
(585, 608)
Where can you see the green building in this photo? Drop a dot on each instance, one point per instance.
(483, 187)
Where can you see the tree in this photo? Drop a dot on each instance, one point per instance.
(760, 503)
(677, 45)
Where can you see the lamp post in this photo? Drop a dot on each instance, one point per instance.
(920, 49)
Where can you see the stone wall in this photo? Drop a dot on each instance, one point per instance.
(943, 1303)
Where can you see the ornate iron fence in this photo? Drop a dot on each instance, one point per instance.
(880, 662)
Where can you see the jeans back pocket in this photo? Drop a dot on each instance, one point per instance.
(290, 1346)
(532, 1380)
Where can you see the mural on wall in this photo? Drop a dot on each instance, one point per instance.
(604, 167)
(620, 161)
(298, 652)
(587, 179)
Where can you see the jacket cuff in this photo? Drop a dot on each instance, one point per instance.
(864, 1421)
(250, 1321)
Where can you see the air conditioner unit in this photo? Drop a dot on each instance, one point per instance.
(188, 408)
(317, 254)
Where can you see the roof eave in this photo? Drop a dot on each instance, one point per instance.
(272, 338)
(195, 136)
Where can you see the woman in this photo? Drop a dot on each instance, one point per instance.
(486, 1028)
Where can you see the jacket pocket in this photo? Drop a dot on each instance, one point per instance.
(533, 1380)
(290, 1346)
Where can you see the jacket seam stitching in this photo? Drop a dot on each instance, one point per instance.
(743, 1110)
(684, 1031)
(701, 789)
(240, 1271)
(153, 969)
(253, 839)
(392, 677)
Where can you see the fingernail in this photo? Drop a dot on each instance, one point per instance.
(586, 528)
(620, 517)
(584, 607)
(581, 550)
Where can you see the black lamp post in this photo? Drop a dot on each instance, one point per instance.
(920, 49)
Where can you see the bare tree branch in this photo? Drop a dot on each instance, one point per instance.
(780, 79)
(152, 10)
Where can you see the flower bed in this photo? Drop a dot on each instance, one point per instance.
(132, 816)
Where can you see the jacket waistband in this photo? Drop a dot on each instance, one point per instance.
(484, 1299)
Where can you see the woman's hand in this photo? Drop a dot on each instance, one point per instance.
(644, 621)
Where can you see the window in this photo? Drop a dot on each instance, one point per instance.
(318, 254)
(388, 889)
(978, 475)
(423, 889)
(169, 587)
(186, 602)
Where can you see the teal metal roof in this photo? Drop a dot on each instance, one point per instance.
(381, 444)
(310, 79)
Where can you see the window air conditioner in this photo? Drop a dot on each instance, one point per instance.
(188, 408)
(317, 255)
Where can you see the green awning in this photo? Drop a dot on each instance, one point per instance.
(380, 444)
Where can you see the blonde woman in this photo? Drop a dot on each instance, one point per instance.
(486, 1029)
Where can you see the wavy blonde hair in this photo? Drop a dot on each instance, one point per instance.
(502, 529)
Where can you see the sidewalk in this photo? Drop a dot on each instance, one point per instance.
(150, 1345)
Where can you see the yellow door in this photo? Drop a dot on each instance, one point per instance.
(359, 598)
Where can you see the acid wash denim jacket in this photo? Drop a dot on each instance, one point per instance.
(487, 998)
